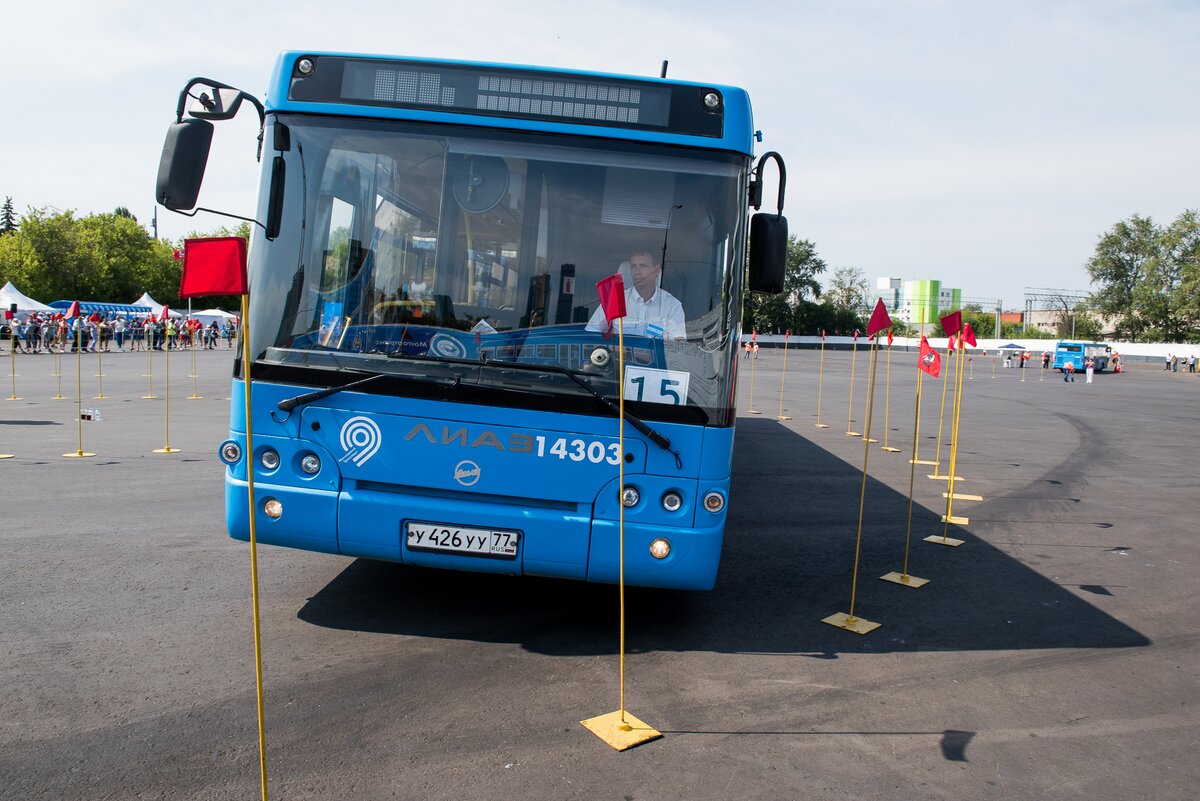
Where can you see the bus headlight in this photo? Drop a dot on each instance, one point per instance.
(630, 496)
(230, 452)
(311, 464)
(269, 459)
(714, 502)
(671, 501)
(660, 548)
(273, 508)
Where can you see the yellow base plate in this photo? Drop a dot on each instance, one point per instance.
(60, 397)
(956, 520)
(621, 735)
(870, 439)
(77, 455)
(853, 434)
(855, 624)
(962, 496)
(168, 449)
(949, 541)
(939, 477)
(890, 449)
(6, 456)
(782, 417)
(920, 461)
(195, 397)
(100, 397)
(149, 397)
(903, 580)
(754, 411)
(822, 425)
(14, 397)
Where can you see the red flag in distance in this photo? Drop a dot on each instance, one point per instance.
(855, 334)
(968, 336)
(95, 318)
(929, 360)
(952, 343)
(879, 319)
(952, 323)
(612, 296)
(890, 337)
(213, 266)
(73, 310)
(166, 313)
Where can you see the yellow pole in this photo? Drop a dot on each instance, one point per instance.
(820, 380)
(953, 451)
(100, 368)
(148, 341)
(12, 357)
(753, 365)
(621, 491)
(912, 472)
(887, 402)
(782, 416)
(862, 497)
(195, 373)
(993, 367)
(1042, 371)
(79, 452)
(249, 456)
(850, 406)
(58, 368)
(167, 398)
(1021, 364)
(937, 455)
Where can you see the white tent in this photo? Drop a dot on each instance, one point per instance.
(9, 295)
(146, 300)
(208, 316)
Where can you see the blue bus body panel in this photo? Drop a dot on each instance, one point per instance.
(738, 134)
(551, 477)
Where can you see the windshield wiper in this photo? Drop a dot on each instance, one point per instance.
(575, 376)
(288, 404)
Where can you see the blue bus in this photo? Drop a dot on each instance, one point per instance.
(1077, 354)
(429, 385)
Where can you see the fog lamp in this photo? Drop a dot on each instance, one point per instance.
(273, 508)
(660, 548)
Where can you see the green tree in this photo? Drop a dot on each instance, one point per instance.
(848, 290)
(778, 313)
(8, 218)
(1147, 278)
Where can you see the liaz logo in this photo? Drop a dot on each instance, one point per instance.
(466, 472)
(360, 438)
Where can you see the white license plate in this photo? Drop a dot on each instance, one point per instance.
(446, 538)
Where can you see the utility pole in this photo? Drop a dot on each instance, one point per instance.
(154, 221)
(999, 311)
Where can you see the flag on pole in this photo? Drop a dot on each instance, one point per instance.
(177, 255)
(855, 334)
(166, 312)
(612, 296)
(879, 319)
(95, 318)
(822, 334)
(952, 323)
(73, 310)
(952, 343)
(890, 337)
(929, 360)
(213, 266)
(968, 336)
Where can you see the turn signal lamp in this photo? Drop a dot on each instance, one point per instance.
(230, 452)
(714, 502)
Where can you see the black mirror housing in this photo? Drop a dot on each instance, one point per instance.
(768, 252)
(181, 168)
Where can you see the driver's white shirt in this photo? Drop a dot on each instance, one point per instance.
(644, 316)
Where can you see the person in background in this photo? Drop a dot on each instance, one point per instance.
(1069, 372)
(1090, 367)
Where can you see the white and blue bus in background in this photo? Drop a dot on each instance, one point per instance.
(1077, 354)
(429, 234)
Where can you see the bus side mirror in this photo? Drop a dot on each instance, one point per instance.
(768, 252)
(181, 168)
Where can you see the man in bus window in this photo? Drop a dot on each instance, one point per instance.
(650, 309)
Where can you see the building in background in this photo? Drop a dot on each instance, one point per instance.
(917, 302)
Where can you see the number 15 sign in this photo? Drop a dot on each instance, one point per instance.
(656, 386)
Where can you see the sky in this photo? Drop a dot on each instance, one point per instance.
(984, 144)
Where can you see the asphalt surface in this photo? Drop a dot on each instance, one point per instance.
(1056, 654)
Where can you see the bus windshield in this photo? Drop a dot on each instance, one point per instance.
(422, 247)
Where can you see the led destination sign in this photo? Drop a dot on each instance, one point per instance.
(551, 96)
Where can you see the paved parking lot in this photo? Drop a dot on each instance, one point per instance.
(1055, 655)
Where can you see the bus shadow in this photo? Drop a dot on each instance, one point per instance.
(788, 562)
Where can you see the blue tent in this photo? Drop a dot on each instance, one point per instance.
(109, 310)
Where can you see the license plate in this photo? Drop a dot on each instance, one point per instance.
(446, 538)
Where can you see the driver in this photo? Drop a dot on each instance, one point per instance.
(656, 311)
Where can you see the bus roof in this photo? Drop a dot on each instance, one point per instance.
(673, 109)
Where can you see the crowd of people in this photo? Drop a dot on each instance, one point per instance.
(39, 333)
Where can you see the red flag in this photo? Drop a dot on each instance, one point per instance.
(177, 255)
(166, 312)
(822, 334)
(612, 296)
(968, 336)
(95, 318)
(929, 360)
(213, 266)
(879, 319)
(855, 334)
(952, 323)
(8, 314)
(890, 337)
(953, 343)
(73, 310)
